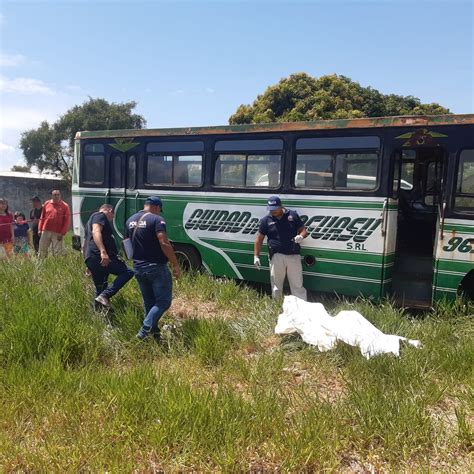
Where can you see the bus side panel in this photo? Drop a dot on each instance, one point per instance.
(454, 257)
(344, 252)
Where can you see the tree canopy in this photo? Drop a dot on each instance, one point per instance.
(301, 97)
(51, 146)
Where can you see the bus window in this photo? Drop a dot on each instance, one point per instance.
(230, 170)
(132, 172)
(116, 172)
(93, 169)
(314, 171)
(408, 169)
(356, 171)
(248, 170)
(159, 169)
(183, 170)
(464, 202)
(248, 163)
(187, 170)
(94, 148)
(263, 170)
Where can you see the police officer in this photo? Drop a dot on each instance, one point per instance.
(284, 231)
(151, 253)
(101, 256)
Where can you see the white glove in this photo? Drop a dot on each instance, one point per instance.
(256, 262)
(298, 239)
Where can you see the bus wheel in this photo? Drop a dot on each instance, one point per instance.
(466, 287)
(188, 257)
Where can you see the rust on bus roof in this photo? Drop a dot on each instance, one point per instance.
(400, 121)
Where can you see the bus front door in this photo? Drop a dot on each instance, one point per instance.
(132, 201)
(419, 193)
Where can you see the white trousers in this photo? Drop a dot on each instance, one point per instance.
(282, 265)
(48, 239)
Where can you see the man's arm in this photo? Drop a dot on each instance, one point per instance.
(257, 247)
(303, 232)
(169, 252)
(66, 220)
(97, 236)
(42, 219)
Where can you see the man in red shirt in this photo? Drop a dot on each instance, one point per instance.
(53, 225)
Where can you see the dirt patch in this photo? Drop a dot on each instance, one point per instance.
(182, 308)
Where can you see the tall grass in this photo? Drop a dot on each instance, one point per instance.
(221, 391)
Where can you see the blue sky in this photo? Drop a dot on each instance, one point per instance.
(194, 63)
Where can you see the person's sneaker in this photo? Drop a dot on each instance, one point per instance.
(142, 334)
(103, 300)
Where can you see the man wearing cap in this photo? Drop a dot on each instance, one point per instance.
(151, 253)
(35, 215)
(284, 231)
(101, 256)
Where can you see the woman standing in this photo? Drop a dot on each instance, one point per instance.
(6, 229)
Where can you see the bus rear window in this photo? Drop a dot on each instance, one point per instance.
(464, 201)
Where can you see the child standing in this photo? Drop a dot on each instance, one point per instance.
(22, 233)
(6, 229)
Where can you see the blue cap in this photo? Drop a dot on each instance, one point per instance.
(154, 201)
(273, 203)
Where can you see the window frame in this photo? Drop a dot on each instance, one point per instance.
(333, 153)
(455, 194)
(83, 167)
(246, 154)
(174, 155)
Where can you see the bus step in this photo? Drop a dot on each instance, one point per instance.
(412, 292)
(412, 267)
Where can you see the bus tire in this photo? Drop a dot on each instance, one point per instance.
(466, 287)
(188, 257)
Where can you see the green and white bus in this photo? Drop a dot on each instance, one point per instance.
(388, 202)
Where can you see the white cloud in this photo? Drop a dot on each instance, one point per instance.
(11, 60)
(4, 148)
(209, 90)
(25, 86)
(22, 118)
(9, 156)
(178, 92)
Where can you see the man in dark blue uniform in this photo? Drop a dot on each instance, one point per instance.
(101, 256)
(284, 231)
(151, 252)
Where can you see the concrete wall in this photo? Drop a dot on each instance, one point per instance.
(19, 190)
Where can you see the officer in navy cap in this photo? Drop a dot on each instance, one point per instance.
(151, 253)
(284, 231)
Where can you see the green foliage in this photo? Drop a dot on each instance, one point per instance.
(50, 146)
(21, 169)
(222, 392)
(301, 97)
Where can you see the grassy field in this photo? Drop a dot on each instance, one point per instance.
(222, 392)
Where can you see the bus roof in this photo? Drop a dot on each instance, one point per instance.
(372, 122)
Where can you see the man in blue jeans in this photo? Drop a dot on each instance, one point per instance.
(101, 256)
(151, 252)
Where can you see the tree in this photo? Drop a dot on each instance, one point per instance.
(51, 146)
(21, 169)
(301, 97)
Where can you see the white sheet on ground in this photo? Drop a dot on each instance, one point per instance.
(318, 328)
